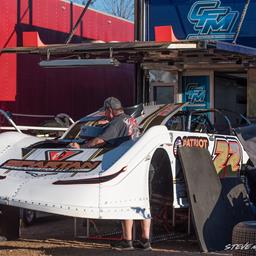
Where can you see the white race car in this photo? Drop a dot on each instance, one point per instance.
(118, 180)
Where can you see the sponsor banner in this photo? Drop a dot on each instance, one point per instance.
(196, 91)
(203, 19)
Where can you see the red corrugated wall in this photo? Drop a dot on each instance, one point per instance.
(56, 15)
(8, 38)
(27, 88)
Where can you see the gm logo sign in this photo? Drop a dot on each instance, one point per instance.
(212, 21)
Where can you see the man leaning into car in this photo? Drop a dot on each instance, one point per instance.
(120, 125)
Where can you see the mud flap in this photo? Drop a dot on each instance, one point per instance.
(216, 206)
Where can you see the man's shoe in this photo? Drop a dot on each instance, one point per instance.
(124, 245)
(143, 245)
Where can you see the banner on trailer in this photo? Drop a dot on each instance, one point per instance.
(196, 91)
(204, 20)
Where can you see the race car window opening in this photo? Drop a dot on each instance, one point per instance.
(201, 123)
(236, 119)
(74, 133)
(177, 122)
(220, 124)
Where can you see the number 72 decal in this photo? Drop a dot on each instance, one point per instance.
(227, 155)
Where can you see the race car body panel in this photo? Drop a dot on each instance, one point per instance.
(112, 182)
(11, 144)
(227, 154)
(78, 184)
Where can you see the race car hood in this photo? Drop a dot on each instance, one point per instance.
(90, 183)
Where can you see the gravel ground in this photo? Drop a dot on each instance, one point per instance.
(54, 236)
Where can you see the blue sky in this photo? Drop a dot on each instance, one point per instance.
(97, 5)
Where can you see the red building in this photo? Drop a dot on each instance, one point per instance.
(27, 88)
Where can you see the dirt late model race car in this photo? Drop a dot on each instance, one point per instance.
(118, 181)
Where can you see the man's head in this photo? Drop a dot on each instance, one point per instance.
(113, 107)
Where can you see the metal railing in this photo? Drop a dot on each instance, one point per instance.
(20, 128)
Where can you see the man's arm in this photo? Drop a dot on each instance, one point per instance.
(109, 133)
(94, 142)
(89, 144)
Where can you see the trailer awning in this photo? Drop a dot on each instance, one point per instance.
(173, 55)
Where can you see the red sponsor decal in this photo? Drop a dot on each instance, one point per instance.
(58, 155)
(192, 141)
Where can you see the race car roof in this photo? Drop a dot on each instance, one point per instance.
(179, 55)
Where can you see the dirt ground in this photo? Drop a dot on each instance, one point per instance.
(54, 236)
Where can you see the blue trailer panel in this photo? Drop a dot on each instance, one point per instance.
(204, 19)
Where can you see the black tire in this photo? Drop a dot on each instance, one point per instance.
(28, 217)
(244, 233)
(9, 222)
(160, 193)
